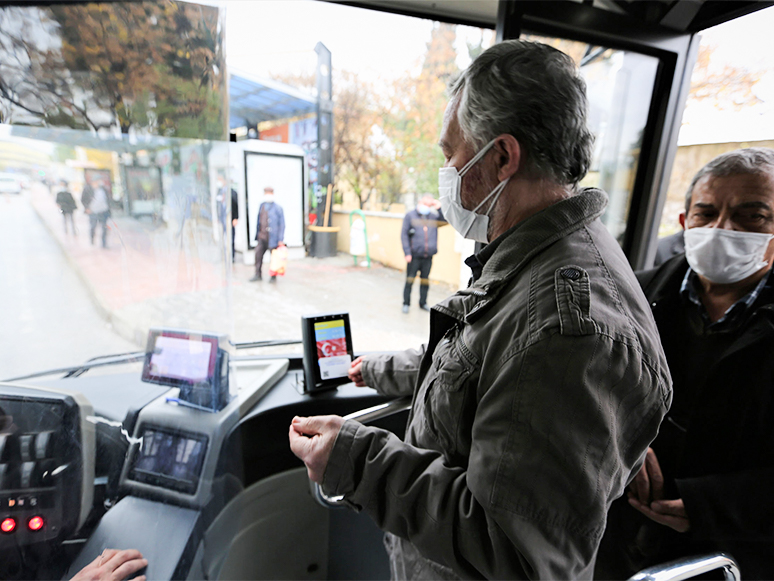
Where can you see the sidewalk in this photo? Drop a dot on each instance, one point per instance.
(148, 277)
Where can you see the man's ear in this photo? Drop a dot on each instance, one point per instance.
(681, 218)
(508, 156)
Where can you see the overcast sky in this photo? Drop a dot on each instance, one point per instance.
(273, 36)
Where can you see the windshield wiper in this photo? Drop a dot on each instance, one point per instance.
(101, 361)
(115, 359)
(271, 343)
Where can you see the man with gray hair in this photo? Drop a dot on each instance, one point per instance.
(542, 383)
(707, 480)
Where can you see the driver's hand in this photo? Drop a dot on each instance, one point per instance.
(355, 372)
(113, 565)
(312, 439)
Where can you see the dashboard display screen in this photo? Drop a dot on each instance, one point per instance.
(171, 460)
(333, 356)
(177, 359)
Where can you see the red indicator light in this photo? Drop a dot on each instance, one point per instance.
(8, 525)
(35, 523)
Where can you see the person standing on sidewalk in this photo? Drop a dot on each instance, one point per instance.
(225, 194)
(98, 208)
(67, 205)
(420, 242)
(271, 230)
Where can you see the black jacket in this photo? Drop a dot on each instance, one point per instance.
(66, 202)
(717, 449)
(419, 234)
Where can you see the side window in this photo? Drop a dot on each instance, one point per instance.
(143, 138)
(728, 107)
(619, 87)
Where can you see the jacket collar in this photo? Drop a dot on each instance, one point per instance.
(662, 289)
(507, 255)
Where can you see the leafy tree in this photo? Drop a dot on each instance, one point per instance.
(362, 152)
(386, 137)
(728, 87)
(155, 68)
(418, 107)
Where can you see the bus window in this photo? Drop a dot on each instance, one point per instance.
(728, 107)
(619, 88)
(151, 127)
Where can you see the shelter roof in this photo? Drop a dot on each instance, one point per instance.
(253, 99)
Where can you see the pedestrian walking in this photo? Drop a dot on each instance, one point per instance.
(67, 205)
(270, 232)
(95, 201)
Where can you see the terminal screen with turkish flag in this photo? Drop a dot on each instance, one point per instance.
(332, 355)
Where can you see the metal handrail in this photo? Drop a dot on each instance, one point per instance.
(691, 567)
(371, 414)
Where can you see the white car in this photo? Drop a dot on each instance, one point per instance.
(10, 183)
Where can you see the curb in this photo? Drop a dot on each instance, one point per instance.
(119, 324)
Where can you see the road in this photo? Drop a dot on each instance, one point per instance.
(47, 317)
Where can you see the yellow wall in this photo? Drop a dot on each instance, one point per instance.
(385, 247)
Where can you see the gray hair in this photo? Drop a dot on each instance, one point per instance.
(750, 161)
(535, 93)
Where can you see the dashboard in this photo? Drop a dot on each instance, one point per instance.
(103, 461)
(46, 464)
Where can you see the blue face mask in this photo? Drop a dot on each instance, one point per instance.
(422, 209)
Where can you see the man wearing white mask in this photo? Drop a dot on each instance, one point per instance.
(706, 484)
(542, 383)
(419, 237)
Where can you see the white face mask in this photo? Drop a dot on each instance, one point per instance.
(725, 256)
(467, 222)
(268, 198)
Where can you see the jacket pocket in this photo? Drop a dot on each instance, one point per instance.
(445, 400)
(573, 300)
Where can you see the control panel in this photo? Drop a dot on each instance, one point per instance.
(175, 446)
(169, 459)
(42, 467)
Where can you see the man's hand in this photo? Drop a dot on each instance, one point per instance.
(646, 494)
(436, 204)
(648, 485)
(113, 565)
(669, 513)
(234, 222)
(355, 372)
(312, 439)
(408, 258)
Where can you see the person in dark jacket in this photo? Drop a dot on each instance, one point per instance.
(223, 195)
(270, 230)
(67, 205)
(707, 480)
(419, 237)
(668, 247)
